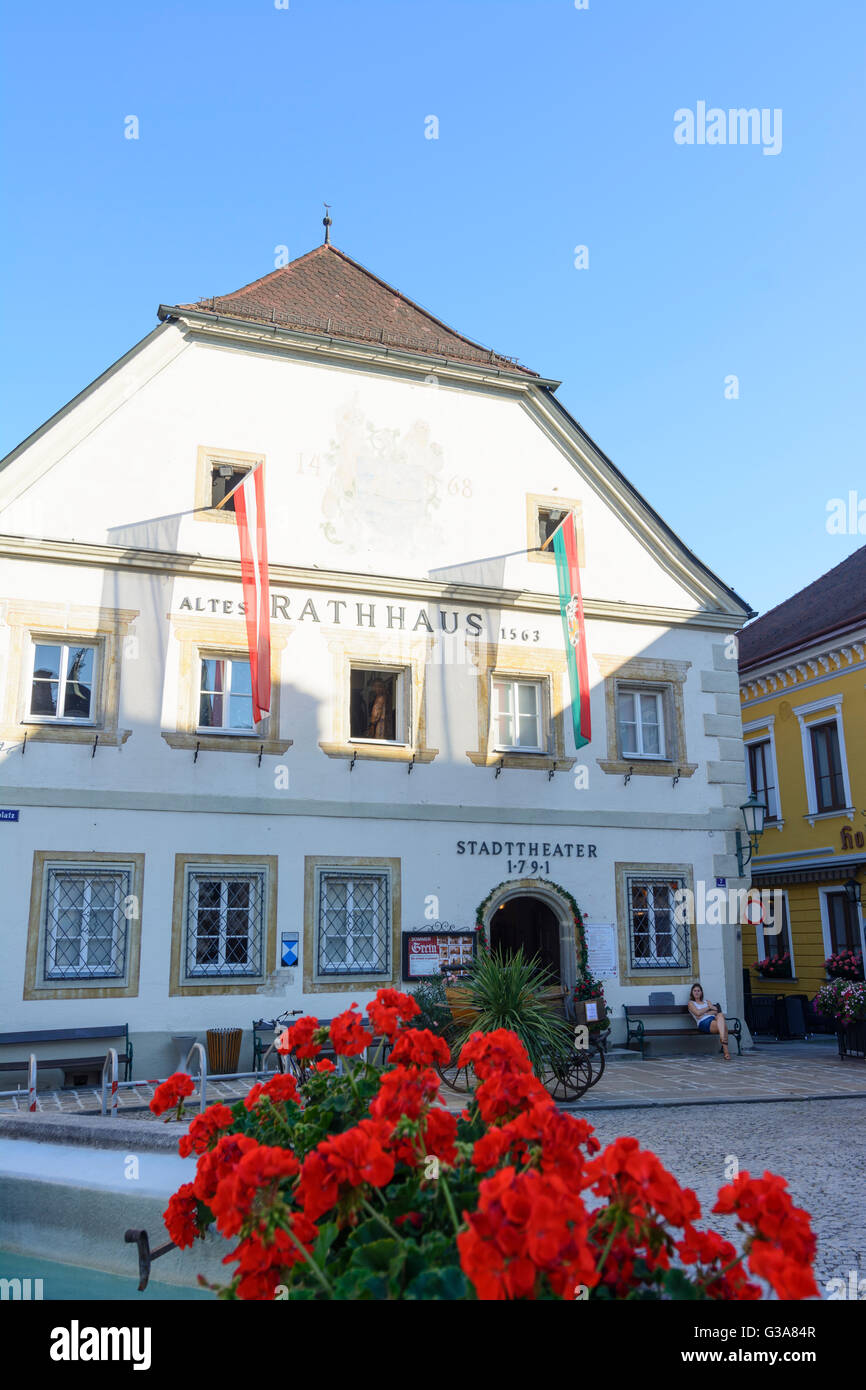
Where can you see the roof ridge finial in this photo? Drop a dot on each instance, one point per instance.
(326, 223)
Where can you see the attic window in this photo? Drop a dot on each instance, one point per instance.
(548, 520)
(224, 478)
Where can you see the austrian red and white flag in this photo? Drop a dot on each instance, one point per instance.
(249, 499)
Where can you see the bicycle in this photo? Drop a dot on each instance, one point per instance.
(284, 1061)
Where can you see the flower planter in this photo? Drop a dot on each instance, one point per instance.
(851, 1038)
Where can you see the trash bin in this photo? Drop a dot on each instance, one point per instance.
(223, 1050)
(795, 1016)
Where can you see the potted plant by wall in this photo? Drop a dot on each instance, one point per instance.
(845, 965)
(774, 967)
(589, 988)
(845, 1001)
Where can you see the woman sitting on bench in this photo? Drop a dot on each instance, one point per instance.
(708, 1017)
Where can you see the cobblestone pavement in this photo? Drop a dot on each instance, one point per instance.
(819, 1146)
(794, 1071)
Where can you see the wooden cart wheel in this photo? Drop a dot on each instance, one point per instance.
(457, 1077)
(596, 1054)
(568, 1076)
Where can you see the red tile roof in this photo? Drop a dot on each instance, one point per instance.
(325, 291)
(831, 604)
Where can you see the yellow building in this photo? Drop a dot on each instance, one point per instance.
(803, 704)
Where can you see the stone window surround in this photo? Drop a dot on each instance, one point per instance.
(204, 510)
(827, 709)
(538, 501)
(651, 978)
(35, 986)
(395, 651)
(227, 638)
(179, 984)
(764, 730)
(104, 628)
(653, 672)
(549, 667)
(334, 984)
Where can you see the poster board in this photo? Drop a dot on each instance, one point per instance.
(601, 950)
(426, 952)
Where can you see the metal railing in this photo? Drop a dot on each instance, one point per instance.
(31, 1085)
(110, 1086)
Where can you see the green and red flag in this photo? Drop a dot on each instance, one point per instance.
(573, 626)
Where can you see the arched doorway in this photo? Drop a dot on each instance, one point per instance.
(527, 922)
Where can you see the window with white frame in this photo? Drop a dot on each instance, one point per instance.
(773, 942)
(377, 704)
(658, 939)
(62, 682)
(827, 766)
(86, 926)
(640, 722)
(762, 777)
(225, 695)
(518, 715)
(353, 935)
(225, 921)
(843, 923)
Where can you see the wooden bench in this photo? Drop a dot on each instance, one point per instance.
(73, 1067)
(661, 1006)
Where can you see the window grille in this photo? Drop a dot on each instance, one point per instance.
(86, 928)
(658, 941)
(354, 924)
(225, 923)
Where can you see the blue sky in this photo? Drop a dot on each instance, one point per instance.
(555, 130)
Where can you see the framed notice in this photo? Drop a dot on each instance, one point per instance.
(601, 950)
(426, 952)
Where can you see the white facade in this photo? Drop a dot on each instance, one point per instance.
(401, 500)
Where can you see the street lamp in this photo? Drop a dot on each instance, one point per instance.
(754, 815)
(853, 892)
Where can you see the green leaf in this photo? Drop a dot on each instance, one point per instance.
(449, 1283)
(377, 1254)
(677, 1285)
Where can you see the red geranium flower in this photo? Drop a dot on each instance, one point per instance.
(529, 1229)
(405, 1091)
(389, 1009)
(348, 1035)
(281, 1088)
(343, 1163)
(262, 1263)
(299, 1038)
(217, 1162)
(325, 1065)
(170, 1093)
(254, 1176)
(420, 1046)
(181, 1216)
(204, 1129)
